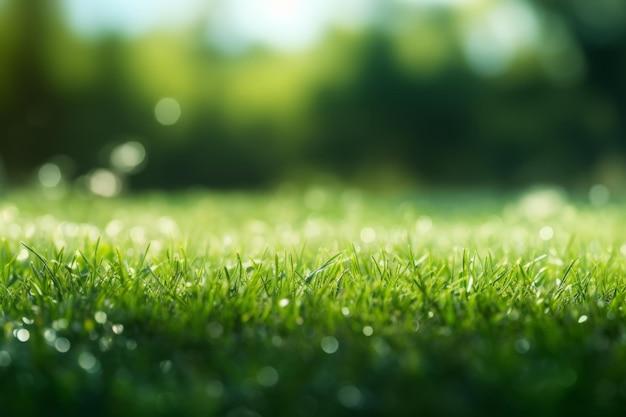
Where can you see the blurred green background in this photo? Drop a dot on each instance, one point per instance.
(114, 95)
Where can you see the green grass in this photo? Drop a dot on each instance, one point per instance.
(327, 302)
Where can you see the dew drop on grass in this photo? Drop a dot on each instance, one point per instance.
(345, 311)
(330, 345)
(368, 330)
(118, 328)
(267, 376)
(349, 396)
(284, 302)
(582, 319)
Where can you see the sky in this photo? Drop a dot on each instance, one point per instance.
(233, 25)
(491, 37)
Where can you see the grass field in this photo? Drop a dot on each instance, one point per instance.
(323, 302)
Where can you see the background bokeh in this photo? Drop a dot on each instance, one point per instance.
(129, 95)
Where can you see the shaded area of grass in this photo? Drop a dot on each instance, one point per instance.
(319, 303)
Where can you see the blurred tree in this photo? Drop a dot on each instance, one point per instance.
(30, 108)
(398, 98)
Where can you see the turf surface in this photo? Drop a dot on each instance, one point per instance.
(324, 302)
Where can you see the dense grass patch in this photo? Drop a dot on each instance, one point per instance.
(327, 302)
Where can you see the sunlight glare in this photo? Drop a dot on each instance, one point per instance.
(443, 3)
(130, 18)
(285, 25)
(496, 37)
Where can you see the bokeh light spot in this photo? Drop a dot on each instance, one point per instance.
(546, 233)
(368, 235)
(100, 317)
(62, 345)
(104, 183)
(267, 376)
(167, 111)
(215, 388)
(128, 157)
(599, 195)
(50, 175)
(522, 346)
(23, 255)
(349, 396)
(88, 362)
(22, 335)
(330, 345)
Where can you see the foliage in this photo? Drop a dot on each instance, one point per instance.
(399, 97)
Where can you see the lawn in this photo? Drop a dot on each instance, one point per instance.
(318, 302)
